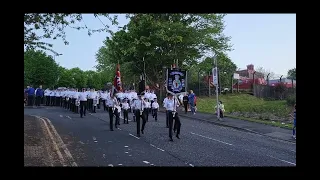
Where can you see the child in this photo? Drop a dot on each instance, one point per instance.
(155, 107)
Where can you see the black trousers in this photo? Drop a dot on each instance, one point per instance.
(30, 100)
(38, 100)
(111, 114)
(83, 108)
(146, 113)
(177, 123)
(99, 102)
(104, 105)
(58, 99)
(65, 103)
(69, 104)
(185, 105)
(138, 117)
(90, 104)
(125, 116)
(52, 100)
(133, 115)
(155, 114)
(151, 107)
(47, 100)
(73, 104)
(167, 119)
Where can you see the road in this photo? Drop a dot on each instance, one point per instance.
(91, 143)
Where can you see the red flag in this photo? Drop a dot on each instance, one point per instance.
(117, 79)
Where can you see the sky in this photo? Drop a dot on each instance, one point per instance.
(265, 40)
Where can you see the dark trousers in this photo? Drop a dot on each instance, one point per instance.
(134, 115)
(58, 99)
(99, 102)
(90, 104)
(125, 116)
(52, 100)
(104, 105)
(167, 119)
(69, 104)
(73, 104)
(146, 113)
(151, 107)
(111, 114)
(65, 103)
(177, 123)
(83, 108)
(155, 114)
(30, 100)
(47, 100)
(185, 105)
(38, 100)
(138, 117)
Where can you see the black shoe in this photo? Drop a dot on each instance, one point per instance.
(142, 131)
(171, 139)
(111, 129)
(177, 136)
(116, 127)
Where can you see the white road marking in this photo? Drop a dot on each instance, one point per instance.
(151, 164)
(133, 136)
(110, 165)
(81, 142)
(130, 155)
(103, 155)
(283, 160)
(61, 116)
(109, 141)
(69, 117)
(119, 164)
(146, 162)
(157, 147)
(94, 139)
(211, 139)
(126, 146)
(119, 128)
(191, 165)
(126, 152)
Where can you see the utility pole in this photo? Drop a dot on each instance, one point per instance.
(216, 81)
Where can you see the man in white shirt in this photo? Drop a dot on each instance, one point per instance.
(52, 97)
(69, 99)
(139, 106)
(125, 107)
(82, 96)
(90, 100)
(147, 109)
(113, 111)
(73, 100)
(103, 98)
(167, 117)
(58, 97)
(155, 107)
(76, 101)
(47, 96)
(95, 100)
(171, 105)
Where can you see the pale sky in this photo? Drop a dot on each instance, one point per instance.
(265, 40)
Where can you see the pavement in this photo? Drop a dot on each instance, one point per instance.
(258, 128)
(89, 142)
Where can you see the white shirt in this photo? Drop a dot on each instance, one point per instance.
(125, 106)
(58, 94)
(71, 94)
(148, 105)
(137, 104)
(47, 92)
(155, 105)
(75, 95)
(170, 105)
(104, 96)
(82, 96)
(164, 101)
(112, 102)
(52, 93)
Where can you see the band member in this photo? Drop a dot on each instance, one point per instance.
(73, 100)
(88, 93)
(76, 101)
(62, 94)
(113, 111)
(139, 105)
(99, 99)
(31, 92)
(95, 100)
(133, 110)
(167, 117)
(82, 96)
(58, 97)
(69, 94)
(155, 107)
(90, 100)
(65, 102)
(104, 97)
(171, 105)
(147, 109)
(52, 97)
(125, 107)
(47, 96)
(39, 94)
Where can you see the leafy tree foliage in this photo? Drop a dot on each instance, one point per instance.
(292, 74)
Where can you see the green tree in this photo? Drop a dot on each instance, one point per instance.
(40, 69)
(79, 77)
(156, 40)
(66, 79)
(39, 27)
(292, 74)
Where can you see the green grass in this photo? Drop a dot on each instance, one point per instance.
(245, 103)
(276, 123)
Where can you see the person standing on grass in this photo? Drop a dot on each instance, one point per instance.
(293, 115)
(220, 108)
(191, 98)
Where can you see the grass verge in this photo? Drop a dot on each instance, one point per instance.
(258, 110)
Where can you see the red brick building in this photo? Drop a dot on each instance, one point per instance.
(248, 73)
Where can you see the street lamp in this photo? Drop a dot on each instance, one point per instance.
(216, 81)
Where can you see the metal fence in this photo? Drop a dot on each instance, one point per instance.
(273, 92)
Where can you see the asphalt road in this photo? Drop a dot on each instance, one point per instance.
(91, 143)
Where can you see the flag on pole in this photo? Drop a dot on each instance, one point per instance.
(117, 87)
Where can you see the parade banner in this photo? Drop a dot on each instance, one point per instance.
(176, 81)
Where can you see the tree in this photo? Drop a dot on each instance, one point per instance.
(266, 72)
(156, 40)
(38, 27)
(292, 74)
(66, 79)
(79, 77)
(40, 69)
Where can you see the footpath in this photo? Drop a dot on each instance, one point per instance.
(38, 150)
(262, 129)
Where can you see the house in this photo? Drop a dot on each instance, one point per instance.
(287, 82)
(248, 73)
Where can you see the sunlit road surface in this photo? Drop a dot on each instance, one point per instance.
(91, 143)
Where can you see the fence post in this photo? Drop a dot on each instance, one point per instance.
(209, 83)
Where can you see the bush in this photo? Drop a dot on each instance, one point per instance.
(291, 100)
